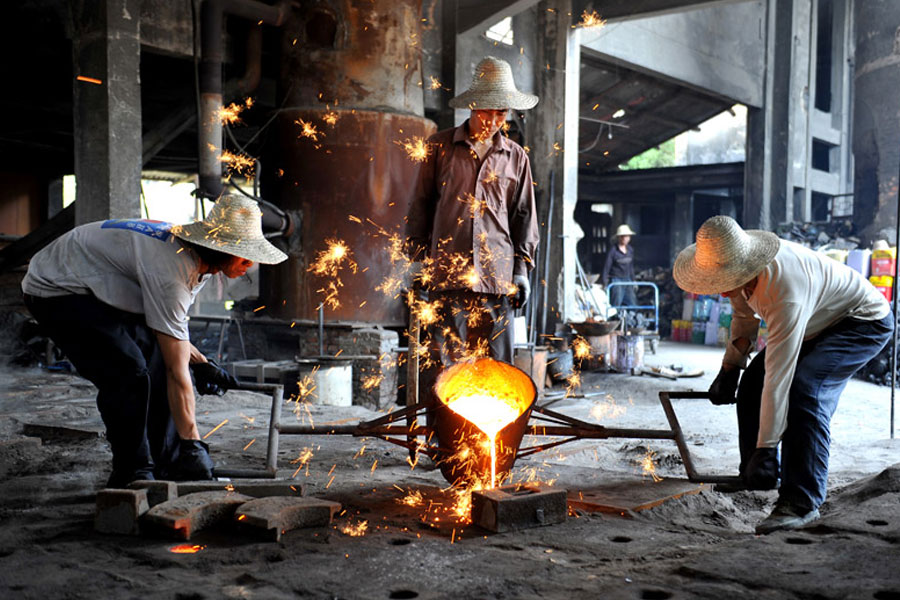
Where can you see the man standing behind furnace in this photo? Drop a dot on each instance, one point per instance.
(473, 217)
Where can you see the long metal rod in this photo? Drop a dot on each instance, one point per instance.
(547, 240)
(894, 312)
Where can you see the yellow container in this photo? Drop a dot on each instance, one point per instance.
(887, 253)
(881, 280)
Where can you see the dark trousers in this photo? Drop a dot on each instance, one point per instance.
(468, 323)
(824, 366)
(118, 353)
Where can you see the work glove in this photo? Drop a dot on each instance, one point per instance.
(523, 290)
(724, 387)
(193, 462)
(761, 472)
(210, 378)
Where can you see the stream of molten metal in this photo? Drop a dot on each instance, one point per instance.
(489, 414)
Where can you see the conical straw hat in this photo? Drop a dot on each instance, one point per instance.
(724, 258)
(233, 226)
(493, 88)
(624, 229)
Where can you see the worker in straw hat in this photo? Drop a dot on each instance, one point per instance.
(825, 322)
(472, 221)
(114, 297)
(619, 267)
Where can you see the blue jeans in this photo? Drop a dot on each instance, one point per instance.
(824, 366)
(622, 295)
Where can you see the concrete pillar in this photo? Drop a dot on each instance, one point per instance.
(107, 108)
(682, 225)
(876, 130)
(554, 131)
(767, 173)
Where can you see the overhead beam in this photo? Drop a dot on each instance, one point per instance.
(623, 10)
(482, 14)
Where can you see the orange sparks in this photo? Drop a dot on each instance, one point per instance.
(215, 429)
(186, 549)
(413, 498)
(374, 464)
(372, 381)
(648, 465)
(355, 530)
(309, 130)
(89, 80)
(231, 114)
(581, 348)
(238, 163)
(435, 83)
(259, 308)
(491, 177)
(590, 20)
(328, 263)
(330, 118)
(416, 149)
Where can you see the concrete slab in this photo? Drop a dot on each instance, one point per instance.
(632, 496)
(513, 507)
(118, 511)
(258, 488)
(157, 491)
(186, 515)
(276, 515)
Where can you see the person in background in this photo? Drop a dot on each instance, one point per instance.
(619, 267)
(114, 297)
(825, 322)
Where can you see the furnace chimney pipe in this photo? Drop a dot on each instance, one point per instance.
(212, 16)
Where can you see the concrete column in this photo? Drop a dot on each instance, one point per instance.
(554, 148)
(767, 173)
(682, 225)
(876, 130)
(107, 108)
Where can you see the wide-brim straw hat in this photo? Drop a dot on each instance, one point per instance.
(233, 226)
(624, 230)
(724, 258)
(493, 88)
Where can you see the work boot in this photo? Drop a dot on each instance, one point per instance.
(785, 516)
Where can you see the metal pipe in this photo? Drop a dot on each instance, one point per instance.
(274, 423)
(321, 311)
(547, 252)
(893, 362)
(212, 17)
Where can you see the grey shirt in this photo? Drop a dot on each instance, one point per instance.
(134, 265)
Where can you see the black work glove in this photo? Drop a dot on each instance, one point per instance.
(724, 387)
(761, 472)
(523, 290)
(210, 378)
(193, 462)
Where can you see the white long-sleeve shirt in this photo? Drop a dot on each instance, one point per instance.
(799, 294)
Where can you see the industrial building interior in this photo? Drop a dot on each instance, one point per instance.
(657, 114)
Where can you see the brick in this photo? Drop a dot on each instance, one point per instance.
(514, 507)
(157, 491)
(258, 488)
(118, 511)
(186, 515)
(275, 516)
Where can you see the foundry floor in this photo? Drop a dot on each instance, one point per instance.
(698, 545)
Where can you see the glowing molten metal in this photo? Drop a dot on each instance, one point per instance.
(485, 408)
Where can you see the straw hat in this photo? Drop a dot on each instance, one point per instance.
(624, 230)
(724, 258)
(233, 226)
(493, 88)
